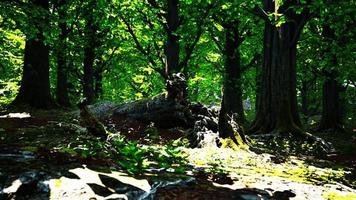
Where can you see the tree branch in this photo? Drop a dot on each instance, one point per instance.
(217, 42)
(101, 68)
(189, 48)
(151, 25)
(253, 61)
(300, 25)
(258, 11)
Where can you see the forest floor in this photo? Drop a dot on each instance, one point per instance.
(48, 155)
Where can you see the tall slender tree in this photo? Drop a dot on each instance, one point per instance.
(90, 45)
(62, 93)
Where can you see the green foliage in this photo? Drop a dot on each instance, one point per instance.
(8, 91)
(93, 148)
(133, 157)
(170, 156)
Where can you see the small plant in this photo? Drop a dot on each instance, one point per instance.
(132, 158)
(94, 148)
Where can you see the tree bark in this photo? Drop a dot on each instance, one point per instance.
(331, 112)
(232, 89)
(98, 83)
(172, 44)
(304, 98)
(331, 115)
(89, 57)
(231, 104)
(277, 103)
(62, 66)
(35, 85)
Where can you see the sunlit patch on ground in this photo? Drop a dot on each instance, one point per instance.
(228, 170)
(16, 115)
(88, 182)
(250, 170)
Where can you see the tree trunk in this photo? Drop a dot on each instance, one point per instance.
(62, 66)
(331, 113)
(35, 85)
(304, 98)
(277, 103)
(232, 91)
(172, 44)
(98, 83)
(331, 117)
(89, 57)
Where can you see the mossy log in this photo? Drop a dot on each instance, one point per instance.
(168, 113)
(163, 112)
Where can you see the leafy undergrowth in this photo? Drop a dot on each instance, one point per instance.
(226, 165)
(176, 157)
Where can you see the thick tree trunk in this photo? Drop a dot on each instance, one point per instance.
(62, 66)
(231, 104)
(89, 57)
(35, 85)
(172, 44)
(277, 103)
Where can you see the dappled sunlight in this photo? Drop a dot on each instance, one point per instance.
(177, 100)
(88, 183)
(59, 189)
(13, 187)
(91, 176)
(16, 115)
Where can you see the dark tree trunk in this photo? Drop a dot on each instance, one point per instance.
(258, 84)
(62, 66)
(172, 44)
(277, 103)
(331, 115)
(304, 98)
(35, 85)
(331, 112)
(89, 57)
(232, 92)
(98, 83)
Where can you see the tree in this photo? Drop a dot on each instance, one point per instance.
(90, 46)
(233, 32)
(336, 55)
(327, 47)
(277, 103)
(62, 93)
(172, 43)
(35, 85)
(174, 17)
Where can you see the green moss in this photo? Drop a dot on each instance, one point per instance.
(336, 196)
(229, 143)
(30, 148)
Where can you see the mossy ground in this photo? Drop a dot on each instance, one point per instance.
(59, 136)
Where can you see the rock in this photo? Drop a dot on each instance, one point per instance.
(26, 185)
(283, 195)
